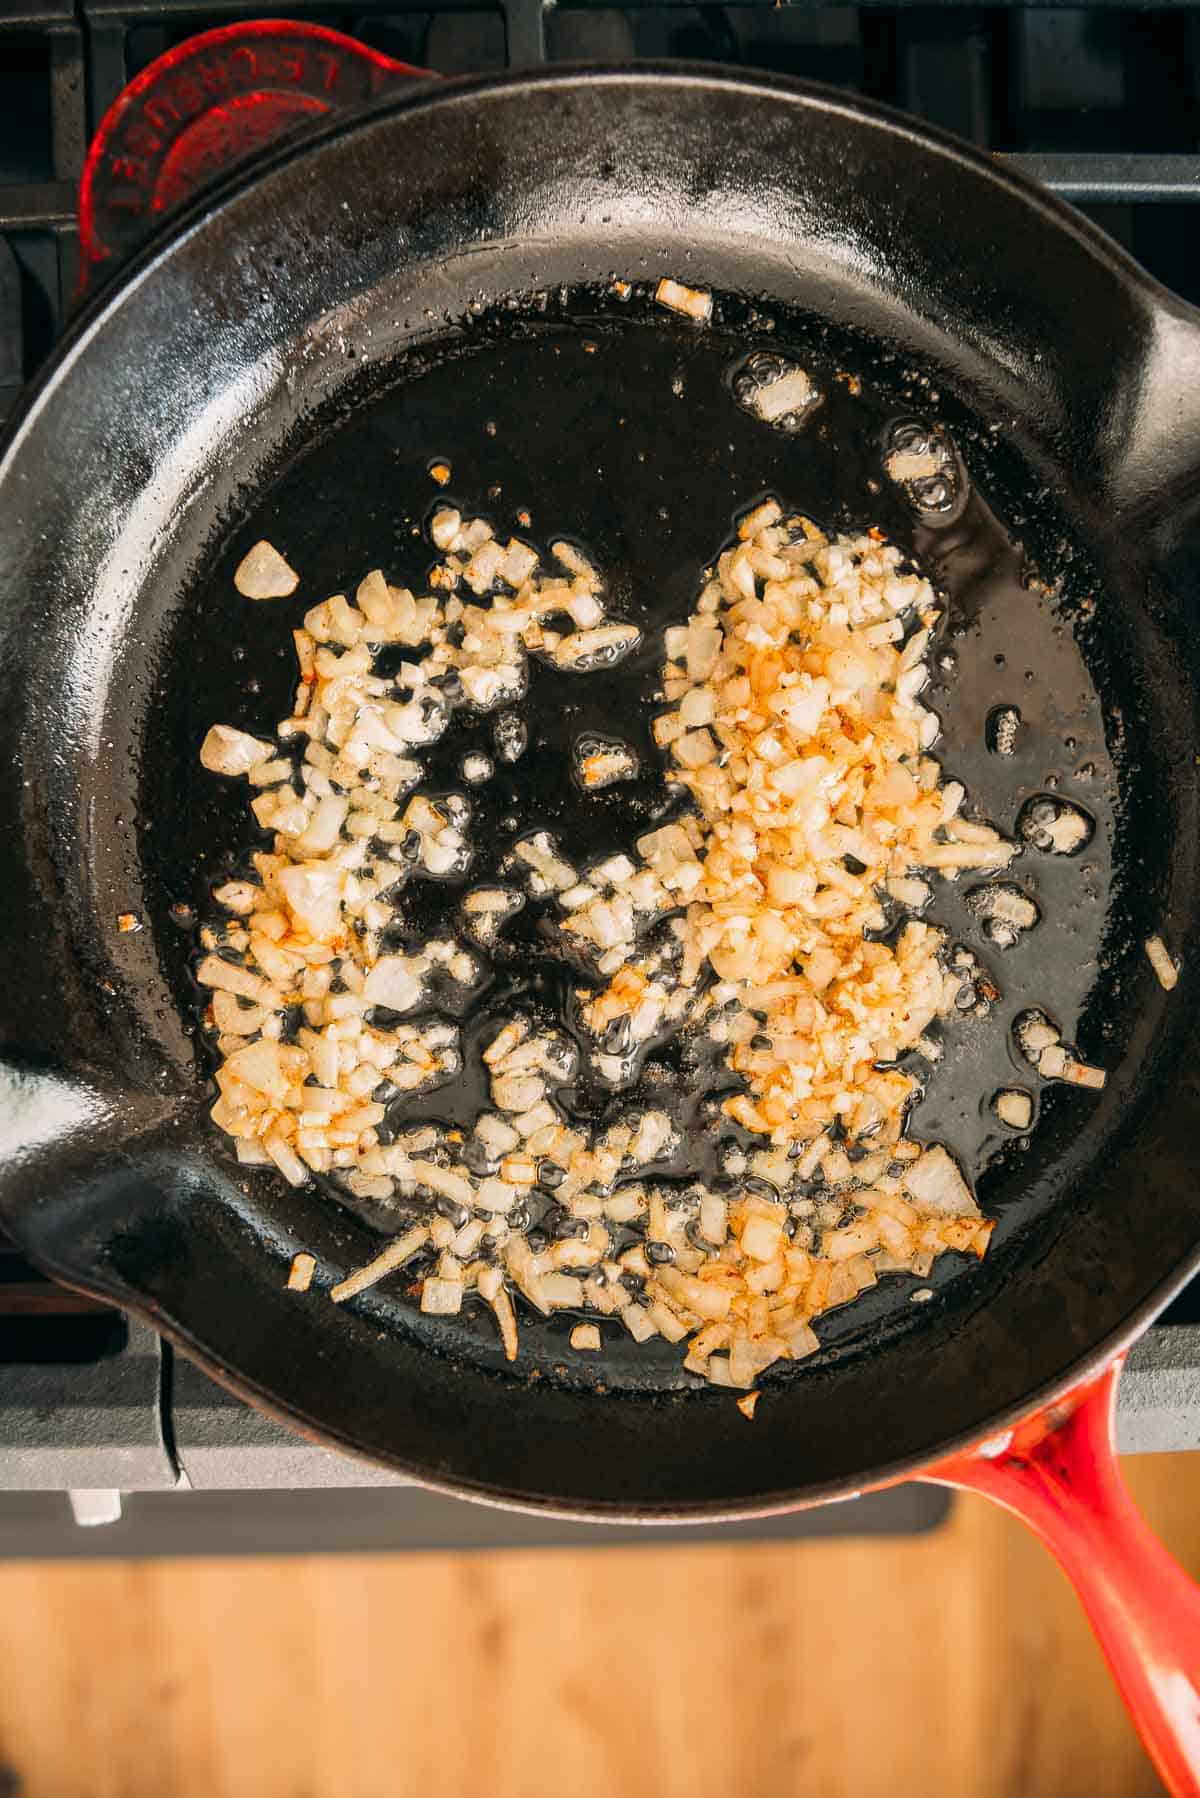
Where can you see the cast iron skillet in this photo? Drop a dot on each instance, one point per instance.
(394, 281)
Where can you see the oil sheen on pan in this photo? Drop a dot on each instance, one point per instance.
(642, 440)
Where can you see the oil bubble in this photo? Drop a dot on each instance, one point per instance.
(1004, 912)
(598, 762)
(1055, 826)
(776, 390)
(510, 737)
(1002, 729)
(920, 458)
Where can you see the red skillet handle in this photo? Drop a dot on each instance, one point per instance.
(1058, 1472)
(207, 105)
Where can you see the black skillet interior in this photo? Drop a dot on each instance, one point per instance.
(594, 418)
(462, 309)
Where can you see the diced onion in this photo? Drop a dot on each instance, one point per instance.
(395, 1255)
(936, 1187)
(301, 1272)
(229, 751)
(262, 573)
(1160, 961)
(693, 302)
(1014, 1108)
(441, 1298)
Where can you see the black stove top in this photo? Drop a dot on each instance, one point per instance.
(1101, 102)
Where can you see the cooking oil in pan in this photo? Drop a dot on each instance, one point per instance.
(643, 445)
